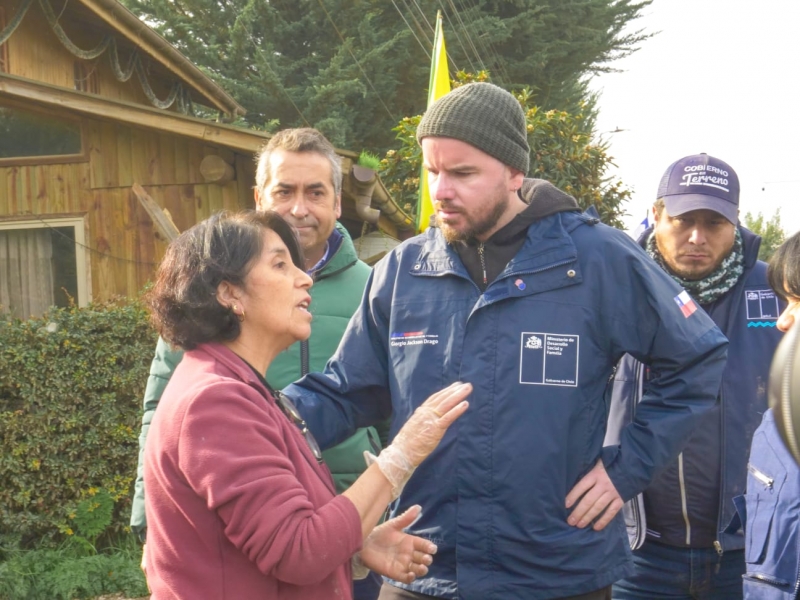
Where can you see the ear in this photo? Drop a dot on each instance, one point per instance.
(337, 206)
(655, 213)
(515, 181)
(257, 198)
(228, 294)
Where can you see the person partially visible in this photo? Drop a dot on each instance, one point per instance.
(679, 525)
(770, 510)
(298, 175)
(239, 503)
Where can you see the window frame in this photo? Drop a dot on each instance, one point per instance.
(79, 225)
(48, 159)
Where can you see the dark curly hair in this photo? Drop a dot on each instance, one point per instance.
(183, 301)
(783, 272)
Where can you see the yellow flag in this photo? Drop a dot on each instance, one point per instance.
(439, 85)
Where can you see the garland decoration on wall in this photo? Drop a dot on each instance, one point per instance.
(178, 93)
(12, 26)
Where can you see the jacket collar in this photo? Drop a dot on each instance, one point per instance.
(341, 254)
(548, 242)
(236, 367)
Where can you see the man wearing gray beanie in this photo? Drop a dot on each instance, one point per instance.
(518, 293)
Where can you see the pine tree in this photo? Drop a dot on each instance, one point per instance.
(354, 68)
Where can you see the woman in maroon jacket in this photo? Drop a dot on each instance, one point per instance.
(239, 504)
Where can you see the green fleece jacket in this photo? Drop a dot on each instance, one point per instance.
(336, 294)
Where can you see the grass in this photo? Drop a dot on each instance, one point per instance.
(369, 160)
(73, 570)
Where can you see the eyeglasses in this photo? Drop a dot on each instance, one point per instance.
(290, 410)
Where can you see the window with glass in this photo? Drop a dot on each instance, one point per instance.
(31, 134)
(42, 264)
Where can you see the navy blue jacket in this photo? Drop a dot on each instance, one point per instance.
(747, 315)
(539, 346)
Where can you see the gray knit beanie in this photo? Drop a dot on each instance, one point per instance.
(482, 115)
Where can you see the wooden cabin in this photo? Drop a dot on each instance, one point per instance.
(94, 104)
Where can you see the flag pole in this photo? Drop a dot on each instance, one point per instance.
(438, 86)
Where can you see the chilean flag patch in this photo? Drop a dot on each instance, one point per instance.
(686, 304)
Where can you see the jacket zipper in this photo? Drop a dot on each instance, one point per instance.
(638, 384)
(305, 358)
(762, 477)
(684, 509)
(766, 579)
(483, 263)
(797, 583)
(717, 543)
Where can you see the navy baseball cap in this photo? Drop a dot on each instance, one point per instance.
(700, 181)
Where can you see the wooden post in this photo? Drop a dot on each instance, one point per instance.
(159, 216)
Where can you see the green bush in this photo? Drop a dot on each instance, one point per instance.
(71, 385)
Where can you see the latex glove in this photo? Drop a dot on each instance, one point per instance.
(421, 434)
(389, 551)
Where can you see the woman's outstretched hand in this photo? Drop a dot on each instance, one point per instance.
(426, 427)
(389, 551)
(422, 433)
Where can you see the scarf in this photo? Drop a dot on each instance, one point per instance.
(716, 283)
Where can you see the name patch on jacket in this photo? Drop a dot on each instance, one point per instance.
(412, 338)
(761, 308)
(549, 359)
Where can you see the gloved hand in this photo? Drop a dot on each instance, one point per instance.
(421, 434)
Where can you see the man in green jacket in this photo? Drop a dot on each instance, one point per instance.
(299, 176)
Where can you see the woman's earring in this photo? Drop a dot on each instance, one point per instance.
(236, 312)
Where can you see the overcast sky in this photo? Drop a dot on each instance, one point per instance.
(720, 77)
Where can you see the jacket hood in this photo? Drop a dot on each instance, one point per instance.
(545, 199)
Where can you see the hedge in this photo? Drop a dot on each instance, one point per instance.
(71, 385)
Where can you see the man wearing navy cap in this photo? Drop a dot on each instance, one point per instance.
(683, 547)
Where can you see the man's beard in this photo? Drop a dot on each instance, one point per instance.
(475, 228)
(687, 272)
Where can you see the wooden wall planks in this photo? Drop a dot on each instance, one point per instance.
(124, 249)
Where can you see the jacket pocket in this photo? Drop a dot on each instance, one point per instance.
(765, 478)
(633, 513)
(760, 514)
(765, 587)
(772, 531)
